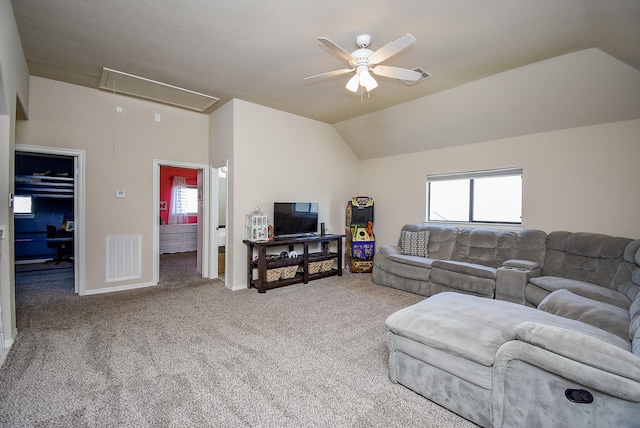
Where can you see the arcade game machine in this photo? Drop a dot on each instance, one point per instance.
(359, 243)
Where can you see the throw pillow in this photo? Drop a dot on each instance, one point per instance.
(414, 243)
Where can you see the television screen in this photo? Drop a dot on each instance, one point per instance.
(295, 218)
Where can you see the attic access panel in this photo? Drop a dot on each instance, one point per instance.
(136, 86)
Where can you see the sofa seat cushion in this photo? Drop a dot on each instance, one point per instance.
(545, 285)
(466, 268)
(474, 328)
(417, 261)
(388, 259)
(598, 314)
(463, 277)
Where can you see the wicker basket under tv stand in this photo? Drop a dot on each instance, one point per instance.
(302, 263)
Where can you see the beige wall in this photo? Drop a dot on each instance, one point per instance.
(580, 179)
(221, 151)
(582, 88)
(575, 179)
(120, 150)
(14, 91)
(279, 156)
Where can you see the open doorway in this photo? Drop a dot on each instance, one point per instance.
(48, 222)
(181, 219)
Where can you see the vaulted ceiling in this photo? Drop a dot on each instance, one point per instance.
(260, 51)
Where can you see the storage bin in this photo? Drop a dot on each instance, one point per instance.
(289, 272)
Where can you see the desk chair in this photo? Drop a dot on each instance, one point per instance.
(56, 241)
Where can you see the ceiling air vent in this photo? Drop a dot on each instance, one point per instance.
(136, 86)
(424, 73)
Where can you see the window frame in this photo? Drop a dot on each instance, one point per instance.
(471, 176)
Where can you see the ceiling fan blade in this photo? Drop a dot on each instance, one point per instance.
(330, 74)
(396, 73)
(391, 48)
(337, 50)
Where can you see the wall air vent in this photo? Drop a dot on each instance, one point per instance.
(425, 76)
(136, 86)
(123, 257)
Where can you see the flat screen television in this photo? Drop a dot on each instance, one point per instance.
(294, 219)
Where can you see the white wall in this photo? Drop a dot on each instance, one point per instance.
(579, 179)
(221, 151)
(283, 157)
(14, 91)
(120, 150)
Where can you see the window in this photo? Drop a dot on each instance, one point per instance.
(476, 197)
(22, 205)
(188, 197)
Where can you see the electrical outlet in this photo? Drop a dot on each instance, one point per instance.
(121, 193)
(2, 232)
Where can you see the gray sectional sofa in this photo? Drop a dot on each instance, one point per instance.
(519, 329)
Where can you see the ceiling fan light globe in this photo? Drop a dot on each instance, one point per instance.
(367, 80)
(352, 84)
(371, 85)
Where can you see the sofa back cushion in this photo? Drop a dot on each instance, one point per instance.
(532, 246)
(486, 247)
(589, 257)
(627, 279)
(632, 287)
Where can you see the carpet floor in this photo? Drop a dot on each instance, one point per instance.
(190, 352)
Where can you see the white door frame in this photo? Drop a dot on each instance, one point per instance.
(79, 272)
(206, 222)
(215, 221)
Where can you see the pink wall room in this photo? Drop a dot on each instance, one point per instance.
(166, 177)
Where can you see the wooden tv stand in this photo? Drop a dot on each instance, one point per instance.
(302, 263)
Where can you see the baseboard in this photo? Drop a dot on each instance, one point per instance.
(119, 288)
(3, 356)
(238, 287)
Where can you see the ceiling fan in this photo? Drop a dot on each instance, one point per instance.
(362, 61)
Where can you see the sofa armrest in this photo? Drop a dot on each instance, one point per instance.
(577, 357)
(606, 356)
(609, 371)
(387, 250)
(512, 279)
(522, 264)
